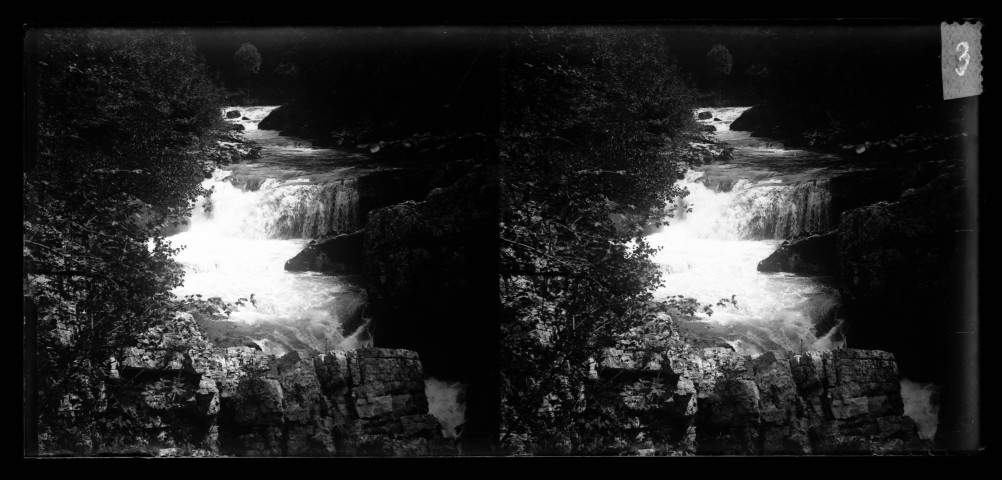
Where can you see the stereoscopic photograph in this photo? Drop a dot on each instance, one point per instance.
(661, 238)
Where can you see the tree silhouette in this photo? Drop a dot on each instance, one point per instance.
(248, 62)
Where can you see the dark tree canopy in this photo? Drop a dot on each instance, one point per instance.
(719, 61)
(596, 124)
(124, 120)
(248, 59)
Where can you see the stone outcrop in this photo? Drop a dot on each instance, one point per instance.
(900, 265)
(718, 402)
(904, 271)
(241, 401)
(432, 272)
(805, 255)
(337, 254)
(770, 121)
(277, 119)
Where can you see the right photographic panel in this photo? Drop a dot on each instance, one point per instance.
(740, 239)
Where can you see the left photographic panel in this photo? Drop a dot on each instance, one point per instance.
(250, 241)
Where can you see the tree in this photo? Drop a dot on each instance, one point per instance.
(596, 126)
(719, 61)
(248, 62)
(124, 121)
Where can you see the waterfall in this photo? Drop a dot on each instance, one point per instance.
(754, 210)
(735, 215)
(307, 211)
(259, 215)
(272, 208)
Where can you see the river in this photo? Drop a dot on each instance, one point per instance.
(736, 214)
(263, 212)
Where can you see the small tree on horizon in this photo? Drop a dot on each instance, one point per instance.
(718, 65)
(248, 62)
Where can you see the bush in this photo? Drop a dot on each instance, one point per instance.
(596, 127)
(124, 119)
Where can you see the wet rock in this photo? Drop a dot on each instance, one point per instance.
(338, 254)
(278, 119)
(252, 154)
(806, 255)
(707, 128)
(902, 269)
(704, 115)
(432, 266)
(720, 402)
(233, 114)
(238, 127)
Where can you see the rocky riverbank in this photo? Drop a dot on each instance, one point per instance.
(716, 401)
(188, 397)
(900, 254)
(427, 250)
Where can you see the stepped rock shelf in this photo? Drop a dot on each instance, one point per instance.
(844, 401)
(238, 401)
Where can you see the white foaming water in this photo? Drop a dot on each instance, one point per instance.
(231, 253)
(446, 402)
(922, 405)
(239, 240)
(713, 252)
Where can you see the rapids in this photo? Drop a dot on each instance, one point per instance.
(260, 214)
(735, 215)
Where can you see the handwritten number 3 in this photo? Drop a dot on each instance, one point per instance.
(965, 57)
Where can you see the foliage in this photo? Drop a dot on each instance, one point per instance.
(596, 124)
(248, 62)
(248, 59)
(124, 119)
(719, 61)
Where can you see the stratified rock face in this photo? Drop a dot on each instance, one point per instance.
(344, 402)
(806, 255)
(241, 401)
(832, 402)
(902, 270)
(432, 273)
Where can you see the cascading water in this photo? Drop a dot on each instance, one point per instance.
(260, 214)
(736, 215)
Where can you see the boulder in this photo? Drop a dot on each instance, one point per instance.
(278, 119)
(707, 128)
(252, 153)
(806, 255)
(237, 127)
(778, 123)
(903, 269)
(233, 114)
(704, 115)
(432, 267)
(337, 254)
